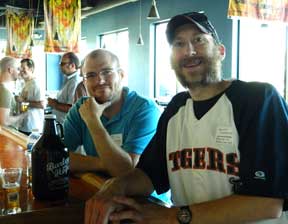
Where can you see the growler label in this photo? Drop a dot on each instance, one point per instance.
(58, 169)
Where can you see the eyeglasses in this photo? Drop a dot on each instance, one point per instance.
(64, 63)
(105, 73)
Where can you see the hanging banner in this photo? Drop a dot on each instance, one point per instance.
(271, 10)
(20, 26)
(62, 25)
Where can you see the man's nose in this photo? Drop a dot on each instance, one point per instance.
(190, 50)
(100, 79)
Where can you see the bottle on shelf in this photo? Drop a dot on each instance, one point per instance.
(32, 139)
(50, 163)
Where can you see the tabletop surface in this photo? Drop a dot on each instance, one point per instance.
(12, 154)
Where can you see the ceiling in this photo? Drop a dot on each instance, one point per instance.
(88, 7)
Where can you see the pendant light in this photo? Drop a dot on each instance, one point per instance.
(32, 36)
(140, 39)
(56, 36)
(14, 47)
(32, 42)
(153, 13)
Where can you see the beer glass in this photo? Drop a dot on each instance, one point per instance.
(11, 179)
(24, 107)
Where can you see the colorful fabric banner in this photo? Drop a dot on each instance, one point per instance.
(20, 26)
(271, 10)
(62, 25)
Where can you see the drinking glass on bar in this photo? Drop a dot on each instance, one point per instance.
(11, 179)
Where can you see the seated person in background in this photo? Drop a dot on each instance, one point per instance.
(8, 75)
(221, 147)
(31, 94)
(114, 124)
(69, 66)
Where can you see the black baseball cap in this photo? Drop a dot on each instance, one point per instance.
(197, 18)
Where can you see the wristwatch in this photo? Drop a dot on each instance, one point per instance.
(184, 215)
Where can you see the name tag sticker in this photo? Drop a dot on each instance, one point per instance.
(117, 138)
(224, 135)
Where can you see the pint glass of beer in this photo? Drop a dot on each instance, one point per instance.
(24, 107)
(11, 179)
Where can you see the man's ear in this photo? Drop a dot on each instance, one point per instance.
(121, 73)
(9, 69)
(222, 51)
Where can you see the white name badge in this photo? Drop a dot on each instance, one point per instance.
(224, 135)
(117, 138)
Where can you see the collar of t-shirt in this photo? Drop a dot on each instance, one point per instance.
(203, 106)
(124, 108)
(72, 75)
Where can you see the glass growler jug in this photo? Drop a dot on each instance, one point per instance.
(50, 163)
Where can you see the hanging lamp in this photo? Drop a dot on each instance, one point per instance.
(140, 39)
(153, 13)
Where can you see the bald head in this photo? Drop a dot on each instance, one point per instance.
(8, 69)
(103, 54)
(6, 63)
(103, 76)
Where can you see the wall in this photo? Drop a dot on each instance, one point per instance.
(127, 16)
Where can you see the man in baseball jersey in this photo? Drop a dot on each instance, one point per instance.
(221, 147)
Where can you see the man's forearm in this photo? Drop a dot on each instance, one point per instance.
(63, 107)
(36, 104)
(236, 209)
(80, 163)
(109, 151)
(135, 182)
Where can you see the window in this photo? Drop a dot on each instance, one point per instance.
(118, 43)
(262, 52)
(83, 48)
(38, 56)
(166, 84)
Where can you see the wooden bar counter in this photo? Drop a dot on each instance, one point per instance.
(12, 149)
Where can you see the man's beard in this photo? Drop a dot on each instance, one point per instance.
(211, 74)
(114, 95)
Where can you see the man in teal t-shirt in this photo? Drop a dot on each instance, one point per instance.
(114, 124)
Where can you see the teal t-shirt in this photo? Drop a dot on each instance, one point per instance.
(132, 128)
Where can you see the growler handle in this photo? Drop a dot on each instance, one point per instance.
(60, 130)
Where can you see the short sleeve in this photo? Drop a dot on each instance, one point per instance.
(71, 90)
(73, 127)
(5, 99)
(264, 149)
(142, 127)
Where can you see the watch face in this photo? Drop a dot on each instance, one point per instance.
(184, 215)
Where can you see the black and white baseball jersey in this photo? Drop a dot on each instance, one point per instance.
(234, 143)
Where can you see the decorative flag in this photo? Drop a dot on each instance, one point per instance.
(62, 25)
(271, 10)
(20, 27)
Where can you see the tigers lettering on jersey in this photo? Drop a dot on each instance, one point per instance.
(205, 159)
